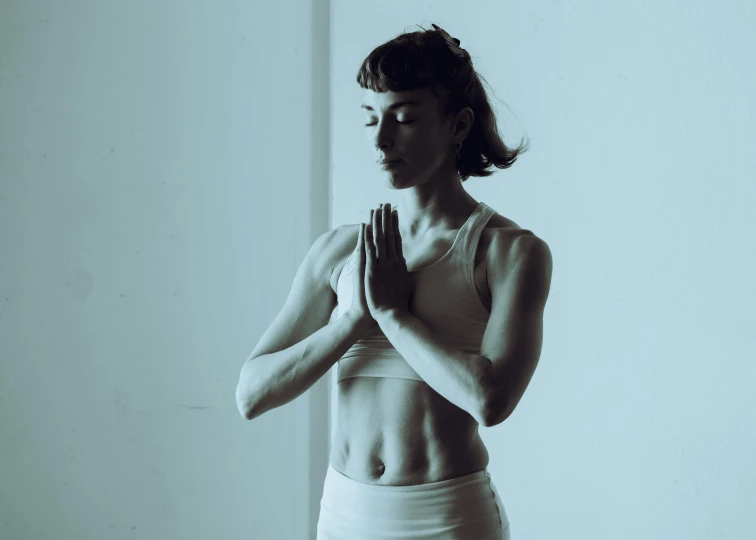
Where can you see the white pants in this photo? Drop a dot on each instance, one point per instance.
(463, 508)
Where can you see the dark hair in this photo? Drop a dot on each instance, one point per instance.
(425, 60)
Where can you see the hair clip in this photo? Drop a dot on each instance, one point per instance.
(452, 42)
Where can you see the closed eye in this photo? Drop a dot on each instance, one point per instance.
(403, 123)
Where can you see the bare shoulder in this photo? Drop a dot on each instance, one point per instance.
(500, 230)
(343, 242)
(507, 242)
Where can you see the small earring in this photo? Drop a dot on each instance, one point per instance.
(459, 147)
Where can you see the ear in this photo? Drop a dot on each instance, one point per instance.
(464, 123)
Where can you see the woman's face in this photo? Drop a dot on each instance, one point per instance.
(407, 126)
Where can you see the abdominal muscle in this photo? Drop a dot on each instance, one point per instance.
(402, 432)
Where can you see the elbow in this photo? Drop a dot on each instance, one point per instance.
(244, 404)
(486, 418)
(496, 402)
(493, 418)
(494, 413)
(247, 411)
(244, 410)
(489, 401)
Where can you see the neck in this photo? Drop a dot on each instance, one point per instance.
(434, 205)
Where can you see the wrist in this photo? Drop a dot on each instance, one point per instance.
(360, 320)
(391, 314)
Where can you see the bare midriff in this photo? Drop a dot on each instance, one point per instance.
(402, 432)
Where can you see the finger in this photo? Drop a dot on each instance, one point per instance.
(377, 232)
(361, 246)
(398, 239)
(367, 245)
(388, 232)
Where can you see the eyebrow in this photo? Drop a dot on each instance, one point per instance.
(393, 105)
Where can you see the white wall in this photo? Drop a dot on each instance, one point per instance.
(639, 420)
(163, 171)
(154, 208)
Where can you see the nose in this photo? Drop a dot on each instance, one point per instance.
(382, 138)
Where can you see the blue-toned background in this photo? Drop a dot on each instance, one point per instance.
(165, 166)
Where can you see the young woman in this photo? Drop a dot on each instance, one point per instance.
(439, 312)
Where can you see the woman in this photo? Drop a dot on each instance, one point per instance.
(424, 355)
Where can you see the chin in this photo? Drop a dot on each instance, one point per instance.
(397, 182)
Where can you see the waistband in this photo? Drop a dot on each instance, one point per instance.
(465, 507)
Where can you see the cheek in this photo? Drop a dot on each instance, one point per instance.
(422, 147)
(429, 153)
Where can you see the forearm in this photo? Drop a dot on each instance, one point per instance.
(457, 375)
(275, 379)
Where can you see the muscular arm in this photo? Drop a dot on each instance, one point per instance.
(454, 374)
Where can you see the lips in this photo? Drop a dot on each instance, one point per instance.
(385, 161)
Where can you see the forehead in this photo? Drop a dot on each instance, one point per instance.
(385, 101)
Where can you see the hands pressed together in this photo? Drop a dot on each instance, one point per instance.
(381, 282)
